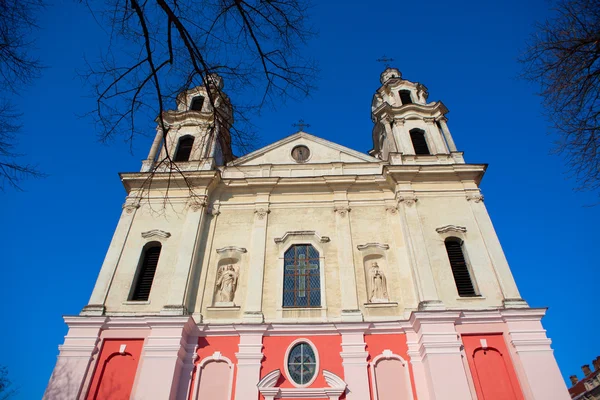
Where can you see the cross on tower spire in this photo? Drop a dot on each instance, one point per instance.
(301, 125)
(385, 61)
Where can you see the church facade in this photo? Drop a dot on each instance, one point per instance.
(306, 269)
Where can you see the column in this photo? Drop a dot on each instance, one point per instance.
(354, 361)
(113, 256)
(512, 297)
(435, 138)
(389, 133)
(75, 358)
(249, 358)
(429, 299)
(446, 132)
(438, 350)
(345, 253)
(538, 369)
(186, 256)
(403, 139)
(163, 357)
(148, 163)
(253, 305)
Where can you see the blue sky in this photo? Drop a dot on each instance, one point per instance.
(58, 230)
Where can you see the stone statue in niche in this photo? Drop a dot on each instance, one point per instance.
(227, 279)
(378, 285)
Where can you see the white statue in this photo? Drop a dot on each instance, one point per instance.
(378, 285)
(227, 278)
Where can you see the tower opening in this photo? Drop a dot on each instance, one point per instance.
(184, 148)
(405, 97)
(417, 136)
(147, 269)
(197, 103)
(460, 270)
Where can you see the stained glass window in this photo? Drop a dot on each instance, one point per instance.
(301, 277)
(302, 363)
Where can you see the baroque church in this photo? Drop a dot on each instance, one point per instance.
(307, 270)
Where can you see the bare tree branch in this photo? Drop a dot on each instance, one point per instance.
(17, 69)
(160, 48)
(563, 56)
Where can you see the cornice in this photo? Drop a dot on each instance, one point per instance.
(156, 233)
(451, 228)
(161, 180)
(434, 109)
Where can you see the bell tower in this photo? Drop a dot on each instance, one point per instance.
(408, 129)
(197, 132)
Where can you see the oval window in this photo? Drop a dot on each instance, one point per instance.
(302, 364)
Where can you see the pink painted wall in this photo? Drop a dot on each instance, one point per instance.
(115, 372)
(376, 344)
(328, 347)
(493, 373)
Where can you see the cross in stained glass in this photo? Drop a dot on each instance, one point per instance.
(303, 267)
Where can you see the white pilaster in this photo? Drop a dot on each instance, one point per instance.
(163, 357)
(253, 305)
(75, 358)
(497, 257)
(346, 268)
(186, 253)
(536, 357)
(249, 359)
(113, 256)
(354, 360)
(429, 299)
(439, 352)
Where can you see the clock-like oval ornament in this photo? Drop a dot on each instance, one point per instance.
(300, 153)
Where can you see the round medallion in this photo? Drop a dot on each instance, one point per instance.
(300, 153)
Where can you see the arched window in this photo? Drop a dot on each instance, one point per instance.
(301, 277)
(460, 270)
(405, 97)
(184, 148)
(146, 271)
(419, 143)
(197, 103)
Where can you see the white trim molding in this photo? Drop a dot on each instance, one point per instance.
(292, 234)
(215, 357)
(389, 355)
(266, 387)
(157, 233)
(451, 228)
(233, 249)
(365, 246)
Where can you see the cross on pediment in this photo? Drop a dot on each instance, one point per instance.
(301, 125)
(385, 61)
(303, 266)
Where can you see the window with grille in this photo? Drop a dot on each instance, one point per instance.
(417, 137)
(460, 270)
(197, 103)
(301, 277)
(184, 148)
(405, 97)
(146, 271)
(302, 364)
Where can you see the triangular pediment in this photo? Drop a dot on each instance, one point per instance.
(321, 151)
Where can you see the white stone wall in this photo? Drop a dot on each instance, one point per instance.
(415, 249)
